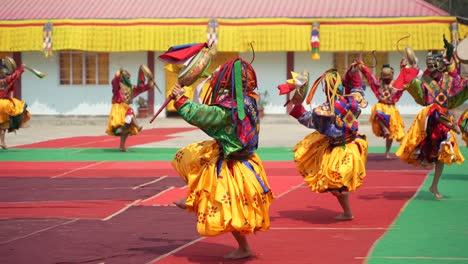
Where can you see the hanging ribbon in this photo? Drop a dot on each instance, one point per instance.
(314, 41)
(238, 88)
(47, 40)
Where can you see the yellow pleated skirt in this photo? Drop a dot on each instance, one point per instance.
(449, 151)
(228, 202)
(396, 126)
(117, 120)
(325, 167)
(10, 108)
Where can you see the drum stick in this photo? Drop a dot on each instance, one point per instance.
(168, 99)
(166, 102)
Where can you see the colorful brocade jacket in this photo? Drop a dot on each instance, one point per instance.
(7, 84)
(385, 93)
(237, 138)
(123, 93)
(340, 126)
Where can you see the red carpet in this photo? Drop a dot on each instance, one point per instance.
(278, 184)
(89, 169)
(303, 229)
(106, 141)
(61, 209)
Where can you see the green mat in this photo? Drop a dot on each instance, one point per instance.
(429, 230)
(133, 154)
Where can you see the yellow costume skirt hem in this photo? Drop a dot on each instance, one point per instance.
(396, 125)
(326, 167)
(449, 152)
(116, 122)
(234, 200)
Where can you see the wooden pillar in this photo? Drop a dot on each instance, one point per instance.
(289, 69)
(150, 63)
(17, 91)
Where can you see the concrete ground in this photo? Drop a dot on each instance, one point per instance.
(276, 130)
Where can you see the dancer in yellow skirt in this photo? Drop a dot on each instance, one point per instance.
(227, 186)
(122, 120)
(13, 112)
(333, 158)
(385, 118)
(431, 138)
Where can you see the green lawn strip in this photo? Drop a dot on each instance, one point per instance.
(133, 154)
(428, 230)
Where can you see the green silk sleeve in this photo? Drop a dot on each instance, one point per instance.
(415, 90)
(203, 116)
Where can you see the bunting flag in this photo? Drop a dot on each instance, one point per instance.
(314, 41)
(212, 33)
(47, 39)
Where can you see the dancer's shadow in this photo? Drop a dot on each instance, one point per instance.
(312, 215)
(387, 195)
(204, 252)
(457, 177)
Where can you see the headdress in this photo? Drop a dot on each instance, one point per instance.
(235, 79)
(9, 64)
(386, 72)
(333, 88)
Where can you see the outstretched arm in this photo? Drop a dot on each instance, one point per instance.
(302, 115)
(11, 79)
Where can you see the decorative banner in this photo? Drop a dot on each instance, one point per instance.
(314, 41)
(212, 33)
(47, 40)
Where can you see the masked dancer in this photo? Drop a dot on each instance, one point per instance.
(385, 118)
(333, 157)
(431, 139)
(227, 186)
(13, 112)
(122, 120)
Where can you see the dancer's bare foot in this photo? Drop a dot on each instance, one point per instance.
(181, 203)
(140, 128)
(344, 217)
(388, 156)
(123, 149)
(436, 193)
(3, 146)
(239, 254)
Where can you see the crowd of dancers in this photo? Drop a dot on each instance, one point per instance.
(228, 188)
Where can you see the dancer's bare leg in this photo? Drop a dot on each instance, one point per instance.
(243, 251)
(135, 123)
(439, 167)
(343, 199)
(181, 203)
(123, 141)
(383, 127)
(388, 145)
(2, 139)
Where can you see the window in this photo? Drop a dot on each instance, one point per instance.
(341, 61)
(84, 68)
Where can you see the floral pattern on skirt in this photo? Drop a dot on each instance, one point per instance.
(325, 167)
(234, 200)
